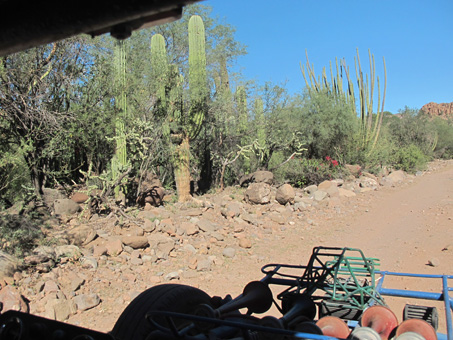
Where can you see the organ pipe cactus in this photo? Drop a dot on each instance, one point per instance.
(369, 132)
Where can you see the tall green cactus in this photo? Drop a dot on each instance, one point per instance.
(198, 85)
(241, 104)
(183, 125)
(259, 122)
(119, 161)
(192, 123)
(159, 74)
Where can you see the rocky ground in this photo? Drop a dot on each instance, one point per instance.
(219, 242)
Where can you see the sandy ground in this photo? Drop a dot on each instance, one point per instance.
(405, 227)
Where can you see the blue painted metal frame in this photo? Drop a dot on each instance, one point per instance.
(443, 296)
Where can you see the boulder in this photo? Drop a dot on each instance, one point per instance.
(258, 193)
(51, 195)
(81, 235)
(245, 243)
(69, 250)
(311, 189)
(135, 242)
(326, 185)
(207, 226)
(80, 197)
(59, 310)
(232, 209)
(257, 177)
(285, 194)
(65, 206)
(263, 177)
(151, 191)
(319, 195)
(345, 193)
(189, 228)
(229, 252)
(397, 177)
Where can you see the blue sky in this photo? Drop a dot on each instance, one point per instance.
(415, 37)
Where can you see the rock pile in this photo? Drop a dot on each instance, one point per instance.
(108, 260)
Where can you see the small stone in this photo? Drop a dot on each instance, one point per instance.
(172, 276)
(89, 263)
(434, 262)
(229, 252)
(204, 265)
(189, 228)
(245, 243)
(114, 247)
(448, 247)
(86, 301)
(136, 261)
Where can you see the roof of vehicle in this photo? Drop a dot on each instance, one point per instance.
(26, 24)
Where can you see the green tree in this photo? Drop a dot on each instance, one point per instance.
(326, 122)
(36, 91)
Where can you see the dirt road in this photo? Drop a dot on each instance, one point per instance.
(406, 227)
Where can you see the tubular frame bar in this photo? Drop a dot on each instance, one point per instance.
(443, 296)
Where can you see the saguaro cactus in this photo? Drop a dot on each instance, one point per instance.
(198, 93)
(119, 161)
(241, 104)
(159, 74)
(168, 91)
(198, 86)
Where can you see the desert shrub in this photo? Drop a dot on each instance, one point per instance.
(410, 158)
(13, 175)
(382, 155)
(327, 123)
(444, 145)
(413, 128)
(19, 234)
(302, 172)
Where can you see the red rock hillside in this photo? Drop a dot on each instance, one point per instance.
(442, 109)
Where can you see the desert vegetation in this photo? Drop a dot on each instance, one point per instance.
(100, 114)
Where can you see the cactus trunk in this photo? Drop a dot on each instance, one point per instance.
(159, 74)
(182, 170)
(119, 161)
(198, 85)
